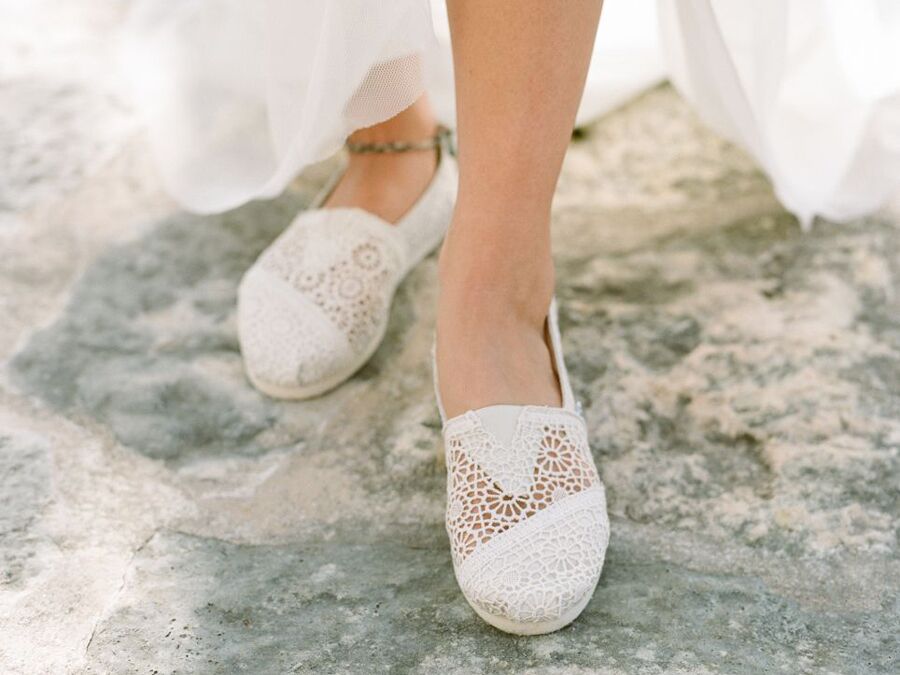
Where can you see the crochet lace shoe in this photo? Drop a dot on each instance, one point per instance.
(526, 511)
(314, 307)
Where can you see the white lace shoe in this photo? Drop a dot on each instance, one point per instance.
(526, 511)
(314, 306)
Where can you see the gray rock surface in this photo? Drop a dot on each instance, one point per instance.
(25, 489)
(741, 379)
(390, 604)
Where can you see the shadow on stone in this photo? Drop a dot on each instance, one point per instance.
(147, 343)
(360, 603)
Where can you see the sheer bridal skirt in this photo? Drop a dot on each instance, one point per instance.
(239, 96)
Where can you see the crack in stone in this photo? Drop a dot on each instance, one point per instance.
(108, 609)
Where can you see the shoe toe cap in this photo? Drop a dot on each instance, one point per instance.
(538, 576)
(289, 346)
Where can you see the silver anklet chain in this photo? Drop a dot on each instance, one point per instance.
(442, 136)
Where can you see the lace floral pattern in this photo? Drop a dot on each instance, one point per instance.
(278, 341)
(348, 272)
(492, 488)
(547, 569)
(316, 303)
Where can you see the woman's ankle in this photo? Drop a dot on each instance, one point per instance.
(388, 184)
(481, 269)
(508, 296)
(417, 122)
(492, 310)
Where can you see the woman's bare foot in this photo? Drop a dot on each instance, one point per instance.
(491, 324)
(389, 184)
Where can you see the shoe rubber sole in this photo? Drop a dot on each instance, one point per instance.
(534, 627)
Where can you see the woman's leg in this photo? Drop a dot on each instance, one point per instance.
(388, 184)
(520, 70)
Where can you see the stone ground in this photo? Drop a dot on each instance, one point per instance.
(741, 380)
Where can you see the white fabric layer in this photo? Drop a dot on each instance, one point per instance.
(811, 88)
(239, 96)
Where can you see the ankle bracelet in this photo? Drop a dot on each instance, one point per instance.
(440, 138)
